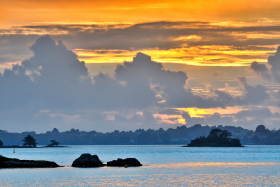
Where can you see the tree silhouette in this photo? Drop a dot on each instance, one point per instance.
(29, 141)
(1, 143)
(55, 130)
(54, 143)
(260, 129)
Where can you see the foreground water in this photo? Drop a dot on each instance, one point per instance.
(163, 166)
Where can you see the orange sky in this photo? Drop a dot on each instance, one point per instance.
(211, 33)
(17, 12)
(230, 13)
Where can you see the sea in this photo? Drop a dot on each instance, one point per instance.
(163, 165)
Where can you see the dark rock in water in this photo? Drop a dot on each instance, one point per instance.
(16, 163)
(124, 162)
(87, 161)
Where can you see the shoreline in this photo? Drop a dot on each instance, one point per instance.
(20, 147)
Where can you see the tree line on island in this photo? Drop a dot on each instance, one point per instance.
(216, 138)
(181, 135)
(30, 141)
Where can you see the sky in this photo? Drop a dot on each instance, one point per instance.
(123, 65)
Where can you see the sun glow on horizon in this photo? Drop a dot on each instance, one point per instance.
(202, 112)
(198, 56)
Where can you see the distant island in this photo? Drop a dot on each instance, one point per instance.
(216, 138)
(54, 144)
(181, 135)
(30, 142)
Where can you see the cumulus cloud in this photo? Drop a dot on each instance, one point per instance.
(274, 62)
(54, 80)
(273, 71)
(253, 94)
(261, 69)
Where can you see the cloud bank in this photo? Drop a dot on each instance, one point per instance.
(185, 41)
(53, 89)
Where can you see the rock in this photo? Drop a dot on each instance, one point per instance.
(87, 161)
(122, 162)
(16, 163)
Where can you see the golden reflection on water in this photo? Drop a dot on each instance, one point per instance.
(213, 164)
(169, 174)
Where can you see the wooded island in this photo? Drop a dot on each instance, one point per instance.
(216, 138)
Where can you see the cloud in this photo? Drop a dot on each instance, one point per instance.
(255, 113)
(261, 69)
(214, 119)
(216, 74)
(186, 98)
(249, 118)
(162, 35)
(274, 67)
(274, 62)
(54, 80)
(253, 94)
(190, 121)
(170, 112)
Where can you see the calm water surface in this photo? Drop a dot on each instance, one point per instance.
(163, 166)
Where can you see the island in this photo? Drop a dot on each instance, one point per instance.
(216, 138)
(29, 142)
(54, 144)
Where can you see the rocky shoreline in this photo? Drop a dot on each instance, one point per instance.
(86, 160)
(17, 163)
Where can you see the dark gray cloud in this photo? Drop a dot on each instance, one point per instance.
(190, 121)
(253, 94)
(274, 62)
(261, 69)
(170, 112)
(186, 98)
(273, 68)
(270, 71)
(255, 113)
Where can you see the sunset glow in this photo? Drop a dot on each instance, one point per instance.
(149, 63)
(200, 56)
(140, 93)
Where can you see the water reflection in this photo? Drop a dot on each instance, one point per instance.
(163, 166)
(176, 174)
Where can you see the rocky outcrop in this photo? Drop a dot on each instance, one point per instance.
(87, 160)
(16, 163)
(124, 162)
